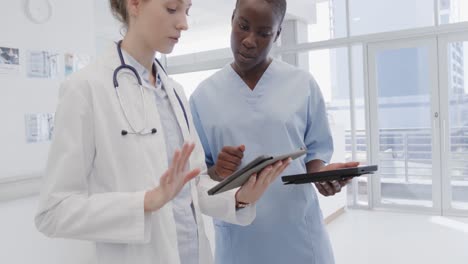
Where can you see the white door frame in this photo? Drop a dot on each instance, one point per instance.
(373, 49)
(444, 40)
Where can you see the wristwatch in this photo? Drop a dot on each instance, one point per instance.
(240, 205)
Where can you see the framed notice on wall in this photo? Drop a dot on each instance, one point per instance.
(27, 108)
(9, 60)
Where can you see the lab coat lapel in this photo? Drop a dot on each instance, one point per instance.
(170, 87)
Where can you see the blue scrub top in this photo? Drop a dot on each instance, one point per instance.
(283, 113)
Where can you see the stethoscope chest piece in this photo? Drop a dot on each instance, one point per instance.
(151, 132)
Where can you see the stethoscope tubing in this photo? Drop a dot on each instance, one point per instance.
(124, 66)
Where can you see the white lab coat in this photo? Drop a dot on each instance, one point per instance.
(96, 178)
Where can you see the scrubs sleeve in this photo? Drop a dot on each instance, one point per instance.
(201, 133)
(318, 138)
(220, 206)
(66, 208)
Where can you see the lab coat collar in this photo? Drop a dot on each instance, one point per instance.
(171, 89)
(111, 60)
(142, 71)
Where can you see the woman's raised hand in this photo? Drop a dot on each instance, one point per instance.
(173, 180)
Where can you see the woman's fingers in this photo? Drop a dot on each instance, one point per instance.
(165, 177)
(327, 187)
(223, 173)
(181, 163)
(190, 175)
(173, 167)
(345, 182)
(336, 186)
(286, 163)
(227, 165)
(237, 151)
(190, 149)
(339, 165)
(229, 158)
(282, 165)
(251, 182)
(330, 187)
(254, 188)
(321, 189)
(266, 173)
(177, 175)
(276, 171)
(351, 164)
(183, 154)
(270, 173)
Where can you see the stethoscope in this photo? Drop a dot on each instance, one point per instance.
(144, 131)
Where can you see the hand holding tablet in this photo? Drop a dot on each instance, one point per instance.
(238, 178)
(331, 175)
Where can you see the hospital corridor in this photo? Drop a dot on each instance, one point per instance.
(234, 132)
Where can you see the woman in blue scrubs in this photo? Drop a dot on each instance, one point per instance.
(257, 105)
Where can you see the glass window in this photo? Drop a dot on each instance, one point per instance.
(328, 21)
(458, 125)
(206, 32)
(191, 80)
(331, 75)
(374, 16)
(453, 11)
(405, 132)
(360, 186)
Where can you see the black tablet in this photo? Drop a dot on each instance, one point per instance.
(333, 175)
(238, 178)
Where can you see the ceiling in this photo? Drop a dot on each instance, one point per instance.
(204, 12)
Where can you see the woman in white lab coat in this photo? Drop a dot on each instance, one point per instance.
(115, 174)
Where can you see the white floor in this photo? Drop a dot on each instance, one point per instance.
(358, 237)
(370, 237)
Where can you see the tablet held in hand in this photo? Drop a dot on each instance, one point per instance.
(332, 175)
(238, 178)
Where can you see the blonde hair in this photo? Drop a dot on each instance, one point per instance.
(119, 10)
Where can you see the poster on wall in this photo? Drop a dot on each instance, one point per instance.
(9, 60)
(42, 64)
(75, 62)
(39, 127)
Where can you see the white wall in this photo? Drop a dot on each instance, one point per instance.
(371, 16)
(108, 30)
(70, 29)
